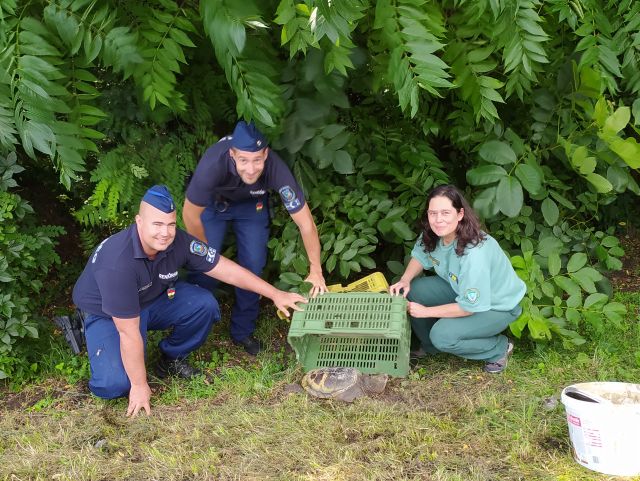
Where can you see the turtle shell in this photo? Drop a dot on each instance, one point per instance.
(341, 383)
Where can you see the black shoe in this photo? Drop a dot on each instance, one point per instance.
(73, 329)
(175, 367)
(250, 344)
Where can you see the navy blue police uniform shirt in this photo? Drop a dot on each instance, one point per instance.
(119, 279)
(216, 179)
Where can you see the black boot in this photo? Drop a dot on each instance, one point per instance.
(250, 344)
(175, 367)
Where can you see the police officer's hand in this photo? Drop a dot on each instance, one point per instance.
(401, 287)
(139, 397)
(318, 285)
(284, 300)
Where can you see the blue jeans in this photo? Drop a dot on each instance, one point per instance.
(250, 222)
(190, 314)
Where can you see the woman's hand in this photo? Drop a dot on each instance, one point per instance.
(401, 285)
(418, 310)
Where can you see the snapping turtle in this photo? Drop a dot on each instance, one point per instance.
(342, 383)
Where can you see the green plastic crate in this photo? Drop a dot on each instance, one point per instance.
(367, 331)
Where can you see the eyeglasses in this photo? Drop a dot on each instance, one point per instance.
(445, 214)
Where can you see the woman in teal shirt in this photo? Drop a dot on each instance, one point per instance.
(476, 293)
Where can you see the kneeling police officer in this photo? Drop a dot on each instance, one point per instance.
(130, 285)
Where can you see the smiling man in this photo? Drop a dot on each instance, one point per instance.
(231, 186)
(130, 285)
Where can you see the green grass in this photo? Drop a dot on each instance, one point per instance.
(448, 421)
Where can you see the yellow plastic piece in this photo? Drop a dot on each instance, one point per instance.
(375, 282)
(372, 283)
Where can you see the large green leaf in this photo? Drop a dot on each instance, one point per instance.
(539, 328)
(509, 196)
(497, 152)
(614, 311)
(576, 262)
(567, 285)
(342, 162)
(548, 245)
(601, 184)
(554, 264)
(550, 211)
(617, 121)
(486, 174)
(530, 178)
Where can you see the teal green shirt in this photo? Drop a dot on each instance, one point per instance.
(482, 277)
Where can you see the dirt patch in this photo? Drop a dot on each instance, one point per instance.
(51, 391)
(628, 278)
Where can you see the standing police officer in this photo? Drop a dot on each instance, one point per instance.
(230, 184)
(130, 285)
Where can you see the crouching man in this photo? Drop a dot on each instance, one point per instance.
(130, 285)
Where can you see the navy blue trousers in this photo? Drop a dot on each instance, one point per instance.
(250, 222)
(190, 315)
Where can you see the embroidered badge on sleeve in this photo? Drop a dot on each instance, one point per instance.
(289, 198)
(211, 255)
(472, 295)
(198, 248)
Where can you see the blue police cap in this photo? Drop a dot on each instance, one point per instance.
(160, 197)
(248, 138)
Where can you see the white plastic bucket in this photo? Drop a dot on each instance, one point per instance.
(604, 426)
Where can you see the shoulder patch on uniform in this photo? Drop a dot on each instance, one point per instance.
(211, 255)
(198, 248)
(289, 198)
(472, 295)
(287, 193)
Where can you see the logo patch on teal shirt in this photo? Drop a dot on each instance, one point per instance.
(453, 277)
(472, 295)
(433, 260)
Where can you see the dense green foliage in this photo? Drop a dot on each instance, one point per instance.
(529, 106)
(26, 255)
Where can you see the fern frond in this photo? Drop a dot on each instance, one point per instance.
(164, 35)
(629, 37)
(521, 37)
(598, 48)
(8, 132)
(7, 9)
(335, 19)
(250, 68)
(88, 241)
(120, 51)
(296, 29)
(471, 67)
(412, 29)
(51, 94)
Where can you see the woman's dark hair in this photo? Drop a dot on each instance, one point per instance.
(469, 231)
